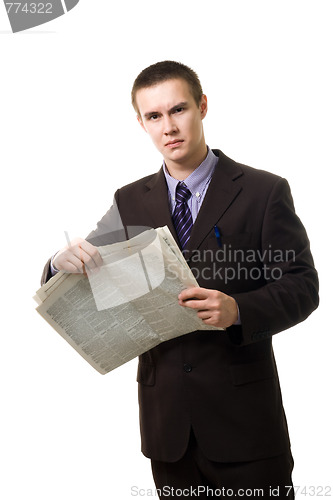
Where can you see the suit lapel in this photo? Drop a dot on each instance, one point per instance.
(156, 202)
(221, 193)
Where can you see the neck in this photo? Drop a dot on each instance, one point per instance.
(181, 170)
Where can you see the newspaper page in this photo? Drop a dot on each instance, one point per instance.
(128, 306)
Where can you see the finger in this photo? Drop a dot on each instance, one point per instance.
(193, 304)
(92, 251)
(74, 264)
(209, 321)
(85, 258)
(87, 255)
(192, 293)
(74, 256)
(204, 315)
(69, 267)
(78, 258)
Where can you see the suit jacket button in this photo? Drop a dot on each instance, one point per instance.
(187, 368)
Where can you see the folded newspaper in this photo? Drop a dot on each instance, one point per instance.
(128, 306)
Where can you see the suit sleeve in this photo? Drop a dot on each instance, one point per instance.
(47, 274)
(291, 290)
(110, 228)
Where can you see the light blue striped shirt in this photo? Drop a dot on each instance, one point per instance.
(197, 182)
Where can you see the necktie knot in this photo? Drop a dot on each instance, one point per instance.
(182, 193)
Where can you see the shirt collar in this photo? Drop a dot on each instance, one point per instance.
(197, 180)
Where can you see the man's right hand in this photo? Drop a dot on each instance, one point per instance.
(79, 256)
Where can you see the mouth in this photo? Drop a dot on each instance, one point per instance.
(174, 144)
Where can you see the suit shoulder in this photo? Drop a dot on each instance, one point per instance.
(249, 175)
(139, 184)
(258, 173)
(262, 181)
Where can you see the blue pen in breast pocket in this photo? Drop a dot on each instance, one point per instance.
(218, 236)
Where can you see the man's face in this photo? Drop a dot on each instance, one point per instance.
(170, 115)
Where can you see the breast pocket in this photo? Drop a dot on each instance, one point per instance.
(230, 241)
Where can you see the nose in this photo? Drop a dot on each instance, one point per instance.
(169, 126)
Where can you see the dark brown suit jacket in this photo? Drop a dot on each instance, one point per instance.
(224, 384)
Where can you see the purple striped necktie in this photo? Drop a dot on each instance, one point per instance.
(182, 218)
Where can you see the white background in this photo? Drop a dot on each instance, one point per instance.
(69, 138)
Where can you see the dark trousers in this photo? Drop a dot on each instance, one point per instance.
(194, 476)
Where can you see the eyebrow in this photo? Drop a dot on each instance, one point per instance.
(179, 105)
(171, 110)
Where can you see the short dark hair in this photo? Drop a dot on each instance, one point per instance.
(163, 71)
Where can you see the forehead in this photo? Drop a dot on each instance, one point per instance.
(163, 96)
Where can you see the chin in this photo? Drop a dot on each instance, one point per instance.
(177, 153)
(177, 158)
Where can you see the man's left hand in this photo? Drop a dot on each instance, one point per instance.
(214, 308)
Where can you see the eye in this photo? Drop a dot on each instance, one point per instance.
(179, 110)
(153, 117)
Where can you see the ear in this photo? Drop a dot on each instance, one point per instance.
(138, 117)
(203, 106)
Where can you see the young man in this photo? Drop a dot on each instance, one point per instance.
(211, 413)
